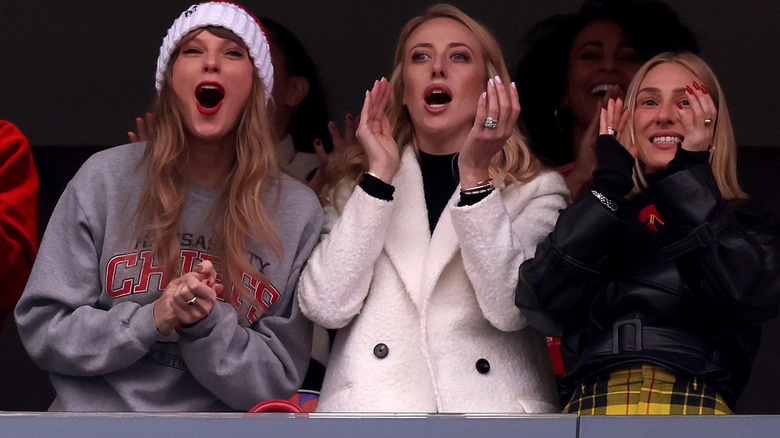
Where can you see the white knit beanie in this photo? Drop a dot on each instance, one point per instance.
(233, 18)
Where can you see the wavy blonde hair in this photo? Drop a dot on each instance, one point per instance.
(239, 213)
(723, 155)
(515, 162)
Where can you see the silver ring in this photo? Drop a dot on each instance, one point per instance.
(192, 301)
(707, 122)
(490, 123)
(611, 131)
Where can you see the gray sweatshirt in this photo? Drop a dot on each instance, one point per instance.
(86, 314)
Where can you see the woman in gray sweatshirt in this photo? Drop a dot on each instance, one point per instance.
(166, 279)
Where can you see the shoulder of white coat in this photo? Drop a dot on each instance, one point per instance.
(336, 199)
(544, 183)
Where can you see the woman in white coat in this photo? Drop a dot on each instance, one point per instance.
(427, 224)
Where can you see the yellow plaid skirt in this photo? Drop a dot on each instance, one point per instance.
(645, 389)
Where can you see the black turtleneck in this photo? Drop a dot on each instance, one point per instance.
(440, 178)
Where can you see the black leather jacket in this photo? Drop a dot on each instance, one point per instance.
(676, 278)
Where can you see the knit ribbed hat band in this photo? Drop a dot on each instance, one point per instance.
(229, 16)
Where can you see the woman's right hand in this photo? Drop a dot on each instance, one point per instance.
(585, 152)
(376, 135)
(142, 125)
(613, 118)
(340, 143)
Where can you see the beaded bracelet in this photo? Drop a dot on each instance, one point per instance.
(610, 204)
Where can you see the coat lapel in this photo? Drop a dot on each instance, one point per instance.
(442, 248)
(418, 257)
(408, 235)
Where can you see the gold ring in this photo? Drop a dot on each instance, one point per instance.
(707, 122)
(192, 301)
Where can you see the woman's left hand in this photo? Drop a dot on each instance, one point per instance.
(195, 293)
(501, 105)
(698, 118)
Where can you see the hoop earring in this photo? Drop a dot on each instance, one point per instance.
(558, 122)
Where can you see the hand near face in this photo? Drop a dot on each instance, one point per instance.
(187, 299)
(698, 132)
(613, 119)
(501, 104)
(585, 153)
(375, 134)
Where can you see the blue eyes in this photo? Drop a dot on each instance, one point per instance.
(651, 102)
(458, 57)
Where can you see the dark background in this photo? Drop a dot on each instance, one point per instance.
(78, 72)
(74, 75)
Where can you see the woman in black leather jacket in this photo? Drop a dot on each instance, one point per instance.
(658, 278)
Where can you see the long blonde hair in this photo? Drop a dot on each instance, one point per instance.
(723, 155)
(239, 213)
(515, 162)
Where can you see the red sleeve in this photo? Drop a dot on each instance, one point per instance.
(18, 215)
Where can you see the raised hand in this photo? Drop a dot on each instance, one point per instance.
(585, 152)
(497, 111)
(376, 135)
(613, 119)
(142, 126)
(340, 142)
(698, 118)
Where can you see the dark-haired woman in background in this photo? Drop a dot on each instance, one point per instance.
(574, 62)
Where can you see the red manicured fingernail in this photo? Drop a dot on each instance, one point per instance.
(688, 89)
(695, 85)
(679, 105)
(704, 89)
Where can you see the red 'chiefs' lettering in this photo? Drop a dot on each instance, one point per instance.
(129, 260)
(138, 280)
(147, 270)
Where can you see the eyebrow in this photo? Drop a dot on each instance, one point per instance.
(596, 43)
(657, 90)
(450, 45)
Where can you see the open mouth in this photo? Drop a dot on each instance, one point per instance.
(601, 89)
(666, 139)
(437, 98)
(209, 96)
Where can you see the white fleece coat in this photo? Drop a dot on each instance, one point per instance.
(441, 306)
